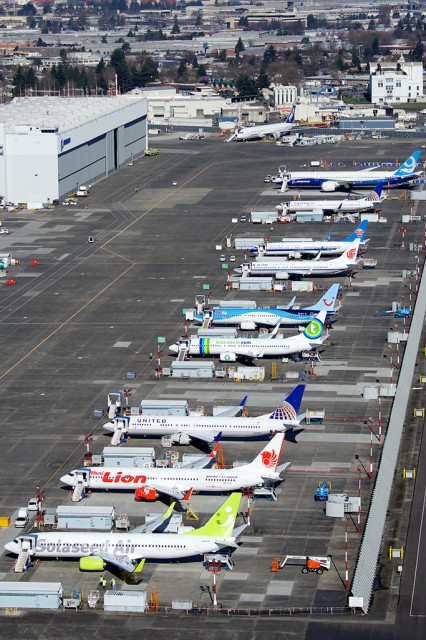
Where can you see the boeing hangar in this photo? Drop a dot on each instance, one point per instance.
(49, 146)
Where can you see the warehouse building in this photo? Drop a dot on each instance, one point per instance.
(49, 146)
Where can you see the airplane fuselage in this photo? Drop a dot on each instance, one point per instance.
(266, 317)
(327, 248)
(299, 268)
(199, 480)
(157, 426)
(330, 206)
(134, 546)
(358, 179)
(266, 347)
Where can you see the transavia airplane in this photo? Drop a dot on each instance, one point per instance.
(334, 206)
(285, 269)
(181, 483)
(273, 345)
(183, 429)
(332, 180)
(249, 319)
(271, 131)
(326, 247)
(129, 551)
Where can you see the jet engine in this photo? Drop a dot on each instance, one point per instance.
(274, 136)
(282, 275)
(329, 185)
(146, 494)
(92, 563)
(248, 326)
(228, 357)
(180, 438)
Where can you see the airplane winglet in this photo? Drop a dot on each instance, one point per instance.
(218, 437)
(243, 402)
(215, 451)
(188, 494)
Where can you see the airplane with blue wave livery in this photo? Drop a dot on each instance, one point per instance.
(326, 247)
(249, 319)
(184, 429)
(404, 175)
(248, 349)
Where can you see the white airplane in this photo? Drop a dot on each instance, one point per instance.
(231, 349)
(326, 247)
(181, 483)
(284, 269)
(249, 319)
(334, 206)
(271, 131)
(129, 551)
(183, 429)
(332, 180)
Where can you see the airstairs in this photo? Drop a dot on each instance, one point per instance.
(78, 492)
(23, 560)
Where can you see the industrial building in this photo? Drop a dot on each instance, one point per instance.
(49, 146)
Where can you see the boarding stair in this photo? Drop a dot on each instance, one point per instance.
(206, 323)
(78, 492)
(117, 437)
(182, 353)
(23, 560)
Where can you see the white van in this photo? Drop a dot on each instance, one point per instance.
(22, 517)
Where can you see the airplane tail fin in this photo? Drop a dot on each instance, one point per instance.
(328, 301)
(290, 407)
(315, 328)
(410, 165)
(290, 118)
(267, 459)
(221, 524)
(376, 193)
(359, 232)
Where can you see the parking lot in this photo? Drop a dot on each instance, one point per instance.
(74, 325)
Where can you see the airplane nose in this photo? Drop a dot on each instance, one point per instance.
(238, 270)
(174, 348)
(66, 479)
(11, 547)
(109, 426)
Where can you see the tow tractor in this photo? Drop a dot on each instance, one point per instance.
(315, 564)
(398, 312)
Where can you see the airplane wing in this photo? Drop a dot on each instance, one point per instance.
(205, 436)
(151, 527)
(233, 411)
(247, 353)
(205, 461)
(120, 561)
(178, 493)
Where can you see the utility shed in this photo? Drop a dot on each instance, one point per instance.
(192, 369)
(248, 243)
(259, 283)
(31, 595)
(129, 457)
(87, 517)
(165, 407)
(125, 601)
(52, 145)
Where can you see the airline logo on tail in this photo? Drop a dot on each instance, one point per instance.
(409, 165)
(314, 329)
(269, 459)
(329, 304)
(359, 233)
(285, 411)
(374, 195)
(351, 253)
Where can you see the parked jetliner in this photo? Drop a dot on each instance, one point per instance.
(128, 551)
(183, 429)
(180, 483)
(326, 247)
(249, 319)
(334, 206)
(231, 349)
(332, 180)
(271, 131)
(285, 269)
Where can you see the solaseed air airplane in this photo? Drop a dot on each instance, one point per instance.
(269, 345)
(249, 319)
(184, 429)
(129, 551)
(180, 483)
(332, 180)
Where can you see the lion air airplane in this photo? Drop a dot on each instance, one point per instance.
(183, 429)
(180, 483)
(129, 551)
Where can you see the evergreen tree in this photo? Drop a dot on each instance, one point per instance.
(418, 51)
(245, 86)
(239, 47)
(262, 79)
(176, 28)
(201, 71)
(182, 67)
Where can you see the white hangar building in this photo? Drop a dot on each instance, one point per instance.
(49, 146)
